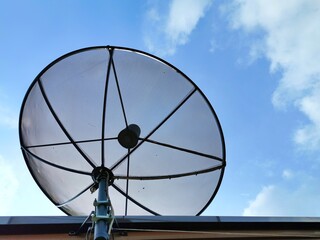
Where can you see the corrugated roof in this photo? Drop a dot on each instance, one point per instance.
(244, 227)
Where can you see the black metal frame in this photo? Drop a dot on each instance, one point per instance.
(110, 50)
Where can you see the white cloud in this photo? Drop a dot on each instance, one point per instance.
(287, 174)
(183, 18)
(308, 136)
(275, 200)
(290, 41)
(167, 31)
(8, 186)
(263, 205)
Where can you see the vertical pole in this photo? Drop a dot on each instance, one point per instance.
(101, 226)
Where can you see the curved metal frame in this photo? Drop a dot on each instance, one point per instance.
(110, 49)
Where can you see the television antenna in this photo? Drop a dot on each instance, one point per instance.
(127, 124)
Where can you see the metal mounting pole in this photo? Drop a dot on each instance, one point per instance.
(102, 205)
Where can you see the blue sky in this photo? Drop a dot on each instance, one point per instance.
(256, 61)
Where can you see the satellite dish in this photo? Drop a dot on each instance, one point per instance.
(130, 118)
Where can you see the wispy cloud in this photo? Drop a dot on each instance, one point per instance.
(262, 204)
(166, 31)
(296, 193)
(290, 41)
(8, 118)
(8, 186)
(277, 200)
(287, 174)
